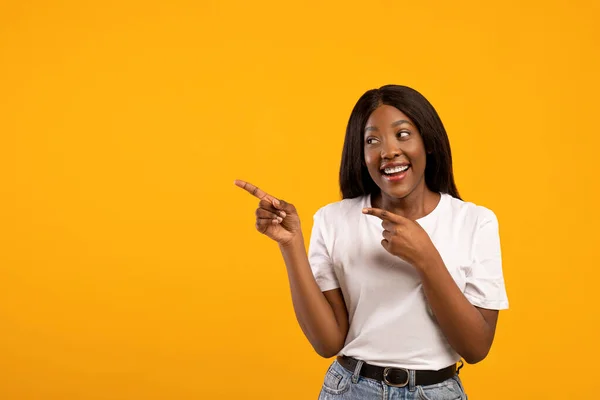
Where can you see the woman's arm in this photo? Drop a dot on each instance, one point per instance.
(470, 330)
(322, 315)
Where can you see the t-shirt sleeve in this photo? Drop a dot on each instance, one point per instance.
(485, 281)
(319, 257)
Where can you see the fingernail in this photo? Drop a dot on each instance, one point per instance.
(276, 203)
(282, 213)
(279, 219)
(365, 210)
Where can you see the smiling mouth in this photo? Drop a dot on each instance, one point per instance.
(395, 171)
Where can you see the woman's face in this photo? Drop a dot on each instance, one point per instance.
(394, 152)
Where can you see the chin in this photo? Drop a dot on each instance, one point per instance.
(397, 192)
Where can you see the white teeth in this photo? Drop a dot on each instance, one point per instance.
(395, 170)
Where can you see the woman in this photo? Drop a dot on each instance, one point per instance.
(402, 277)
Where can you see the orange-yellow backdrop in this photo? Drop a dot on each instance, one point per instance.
(129, 264)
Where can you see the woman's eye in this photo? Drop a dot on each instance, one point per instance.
(370, 140)
(403, 134)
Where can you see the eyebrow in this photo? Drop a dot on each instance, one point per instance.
(395, 124)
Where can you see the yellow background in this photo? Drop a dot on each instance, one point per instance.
(129, 263)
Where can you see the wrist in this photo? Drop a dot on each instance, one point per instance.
(429, 263)
(295, 241)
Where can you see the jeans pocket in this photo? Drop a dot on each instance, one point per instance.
(335, 382)
(450, 389)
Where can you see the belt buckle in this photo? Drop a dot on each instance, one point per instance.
(385, 377)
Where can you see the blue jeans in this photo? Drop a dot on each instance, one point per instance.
(341, 384)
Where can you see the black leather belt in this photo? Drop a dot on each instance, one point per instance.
(397, 377)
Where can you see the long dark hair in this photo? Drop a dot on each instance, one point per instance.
(355, 180)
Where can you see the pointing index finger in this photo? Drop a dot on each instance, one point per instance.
(254, 190)
(382, 214)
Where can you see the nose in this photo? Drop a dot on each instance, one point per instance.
(390, 150)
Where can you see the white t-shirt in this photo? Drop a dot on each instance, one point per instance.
(391, 323)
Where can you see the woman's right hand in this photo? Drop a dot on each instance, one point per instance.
(275, 218)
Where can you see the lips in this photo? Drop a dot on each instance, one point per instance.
(393, 168)
(395, 173)
(394, 164)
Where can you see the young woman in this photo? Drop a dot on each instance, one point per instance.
(402, 278)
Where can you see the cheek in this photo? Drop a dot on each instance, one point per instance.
(372, 165)
(420, 158)
(417, 153)
(369, 158)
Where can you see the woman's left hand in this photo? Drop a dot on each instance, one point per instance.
(404, 238)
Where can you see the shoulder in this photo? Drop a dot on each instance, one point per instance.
(342, 208)
(469, 212)
(339, 218)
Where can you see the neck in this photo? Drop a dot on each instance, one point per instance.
(417, 204)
